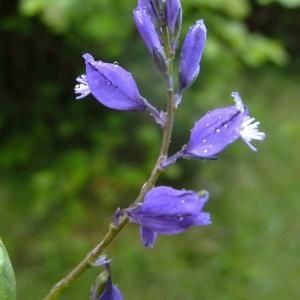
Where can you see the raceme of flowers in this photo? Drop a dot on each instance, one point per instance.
(165, 210)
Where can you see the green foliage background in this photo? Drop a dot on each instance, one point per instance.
(65, 166)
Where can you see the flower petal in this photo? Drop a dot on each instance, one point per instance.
(148, 237)
(150, 9)
(111, 292)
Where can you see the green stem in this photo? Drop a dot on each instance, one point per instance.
(114, 230)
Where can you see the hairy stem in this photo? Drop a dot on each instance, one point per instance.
(114, 230)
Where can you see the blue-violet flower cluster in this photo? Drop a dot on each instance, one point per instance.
(165, 210)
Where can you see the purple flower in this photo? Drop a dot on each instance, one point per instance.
(191, 54)
(221, 127)
(147, 31)
(168, 211)
(110, 84)
(216, 130)
(148, 237)
(113, 87)
(103, 288)
(174, 20)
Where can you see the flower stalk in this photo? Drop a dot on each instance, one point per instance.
(114, 230)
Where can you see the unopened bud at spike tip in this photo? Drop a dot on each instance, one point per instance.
(174, 21)
(191, 54)
(147, 30)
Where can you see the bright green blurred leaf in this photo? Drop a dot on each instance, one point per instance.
(7, 276)
(260, 49)
(31, 7)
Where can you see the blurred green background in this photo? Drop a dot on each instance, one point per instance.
(65, 166)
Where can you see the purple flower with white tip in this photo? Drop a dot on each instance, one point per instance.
(191, 54)
(147, 31)
(112, 85)
(221, 127)
(169, 211)
(217, 129)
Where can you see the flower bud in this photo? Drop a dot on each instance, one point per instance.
(151, 9)
(147, 32)
(112, 85)
(191, 54)
(168, 211)
(174, 21)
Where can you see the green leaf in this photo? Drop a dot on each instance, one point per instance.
(7, 276)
